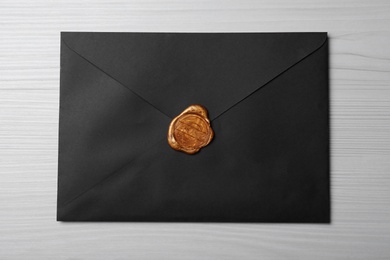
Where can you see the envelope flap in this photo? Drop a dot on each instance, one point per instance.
(173, 70)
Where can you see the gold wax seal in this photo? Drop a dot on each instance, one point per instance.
(191, 130)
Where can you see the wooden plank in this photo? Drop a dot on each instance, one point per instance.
(360, 106)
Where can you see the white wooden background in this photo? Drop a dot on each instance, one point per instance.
(360, 108)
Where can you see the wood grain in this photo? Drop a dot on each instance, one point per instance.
(360, 108)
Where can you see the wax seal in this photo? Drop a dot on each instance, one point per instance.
(191, 130)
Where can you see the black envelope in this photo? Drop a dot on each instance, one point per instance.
(268, 101)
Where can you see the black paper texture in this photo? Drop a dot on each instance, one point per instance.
(267, 95)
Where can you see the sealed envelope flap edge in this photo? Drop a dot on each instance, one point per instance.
(103, 51)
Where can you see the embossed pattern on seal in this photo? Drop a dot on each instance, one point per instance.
(191, 130)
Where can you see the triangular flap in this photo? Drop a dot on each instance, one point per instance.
(99, 126)
(174, 70)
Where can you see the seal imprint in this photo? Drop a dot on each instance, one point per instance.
(191, 130)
